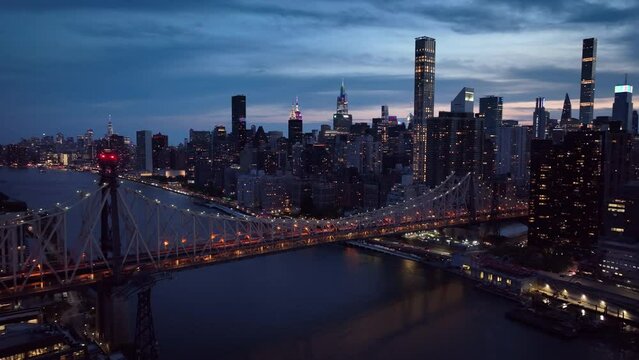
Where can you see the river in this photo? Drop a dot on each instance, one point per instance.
(327, 302)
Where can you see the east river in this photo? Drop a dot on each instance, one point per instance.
(328, 302)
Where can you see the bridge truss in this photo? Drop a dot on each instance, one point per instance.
(41, 251)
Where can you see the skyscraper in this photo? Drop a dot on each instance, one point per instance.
(238, 120)
(295, 132)
(342, 120)
(588, 64)
(540, 119)
(566, 111)
(464, 102)
(424, 102)
(491, 109)
(622, 107)
(143, 156)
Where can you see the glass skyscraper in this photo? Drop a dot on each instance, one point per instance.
(424, 102)
(588, 64)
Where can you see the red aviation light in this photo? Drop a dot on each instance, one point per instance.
(108, 156)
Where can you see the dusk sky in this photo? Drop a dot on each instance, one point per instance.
(170, 66)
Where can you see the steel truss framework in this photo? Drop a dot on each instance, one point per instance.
(38, 254)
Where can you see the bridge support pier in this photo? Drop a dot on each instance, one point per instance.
(111, 318)
(145, 342)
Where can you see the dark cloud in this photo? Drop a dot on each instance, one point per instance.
(171, 65)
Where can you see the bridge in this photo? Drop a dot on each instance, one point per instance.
(124, 239)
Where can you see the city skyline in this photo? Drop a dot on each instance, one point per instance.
(184, 83)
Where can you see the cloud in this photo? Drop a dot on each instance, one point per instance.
(160, 64)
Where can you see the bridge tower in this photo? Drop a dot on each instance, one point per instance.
(110, 296)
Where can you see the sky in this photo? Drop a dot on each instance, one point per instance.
(170, 66)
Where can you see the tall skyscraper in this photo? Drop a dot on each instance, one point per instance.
(295, 130)
(491, 109)
(238, 120)
(540, 119)
(424, 102)
(464, 102)
(342, 120)
(566, 111)
(143, 151)
(588, 64)
(622, 107)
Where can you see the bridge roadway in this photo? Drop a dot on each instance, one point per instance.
(202, 254)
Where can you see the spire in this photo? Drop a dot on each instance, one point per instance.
(342, 90)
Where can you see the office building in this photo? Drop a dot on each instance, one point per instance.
(161, 152)
(587, 96)
(464, 101)
(491, 109)
(424, 92)
(540, 119)
(143, 151)
(622, 107)
(198, 155)
(238, 120)
(295, 126)
(513, 154)
(342, 120)
(566, 111)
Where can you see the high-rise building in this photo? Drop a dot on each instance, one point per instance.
(161, 155)
(342, 120)
(424, 101)
(566, 111)
(198, 155)
(238, 120)
(622, 107)
(587, 96)
(513, 151)
(566, 191)
(491, 109)
(464, 101)
(635, 122)
(143, 151)
(454, 144)
(540, 119)
(295, 129)
(385, 112)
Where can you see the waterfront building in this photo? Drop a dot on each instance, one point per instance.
(198, 153)
(566, 191)
(619, 243)
(464, 101)
(342, 120)
(622, 106)
(587, 95)
(143, 151)
(161, 155)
